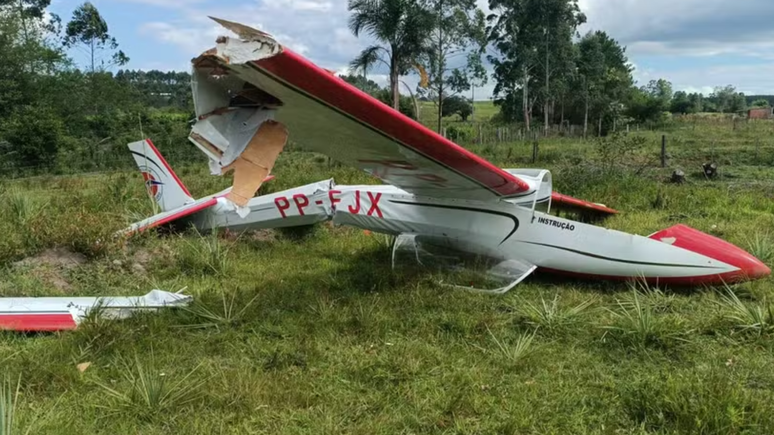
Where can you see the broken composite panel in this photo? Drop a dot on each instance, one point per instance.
(447, 207)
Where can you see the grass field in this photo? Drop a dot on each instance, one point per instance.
(318, 335)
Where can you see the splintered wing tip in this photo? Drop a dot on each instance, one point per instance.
(244, 32)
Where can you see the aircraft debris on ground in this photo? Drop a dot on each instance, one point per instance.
(48, 314)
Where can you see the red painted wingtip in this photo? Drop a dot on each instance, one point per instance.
(685, 237)
(558, 198)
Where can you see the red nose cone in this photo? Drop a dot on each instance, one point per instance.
(750, 268)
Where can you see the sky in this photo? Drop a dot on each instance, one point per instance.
(695, 44)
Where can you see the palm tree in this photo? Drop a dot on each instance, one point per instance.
(400, 25)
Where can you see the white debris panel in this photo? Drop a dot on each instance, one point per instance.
(64, 313)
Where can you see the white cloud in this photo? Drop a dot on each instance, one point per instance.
(685, 27)
(303, 5)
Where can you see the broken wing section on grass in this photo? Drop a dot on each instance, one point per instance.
(250, 81)
(48, 314)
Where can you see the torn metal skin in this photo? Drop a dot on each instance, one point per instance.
(235, 126)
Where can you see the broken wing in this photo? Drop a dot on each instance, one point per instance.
(243, 80)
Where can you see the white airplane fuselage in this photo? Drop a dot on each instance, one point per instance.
(679, 255)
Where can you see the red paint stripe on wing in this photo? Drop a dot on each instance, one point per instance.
(37, 322)
(304, 75)
(166, 165)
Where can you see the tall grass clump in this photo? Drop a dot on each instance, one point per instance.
(205, 254)
(761, 246)
(550, 315)
(757, 319)
(636, 324)
(516, 352)
(148, 392)
(230, 313)
(9, 396)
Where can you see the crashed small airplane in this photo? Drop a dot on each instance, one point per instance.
(446, 206)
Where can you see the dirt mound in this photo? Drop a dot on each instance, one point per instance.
(54, 257)
(50, 264)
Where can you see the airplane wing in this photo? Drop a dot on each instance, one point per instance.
(324, 113)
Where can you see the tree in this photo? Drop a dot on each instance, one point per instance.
(457, 105)
(533, 43)
(760, 103)
(88, 30)
(459, 34)
(697, 102)
(650, 102)
(661, 92)
(728, 100)
(398, 24)
(602, 76)
(360, 82)
(680, 103)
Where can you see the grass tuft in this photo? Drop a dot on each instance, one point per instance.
(550, 315)
(761, 246)
(518, 351)
(636, 324)
(9, 396)
(206, 254)
(148, 392)
(749, 318)
(230, 313)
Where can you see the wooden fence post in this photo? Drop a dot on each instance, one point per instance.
(534, 151)
(663, 151)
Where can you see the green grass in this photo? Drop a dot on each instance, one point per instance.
(313, 333)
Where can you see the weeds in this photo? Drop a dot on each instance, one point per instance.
(757, 318)
(549, 315)
(23, 209)
(149, 392)
(206, 254)
(762, 247)
(229, 314)
(637, 325)
(517, 351)
(9, 397)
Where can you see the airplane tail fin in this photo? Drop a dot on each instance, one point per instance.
(162, 183)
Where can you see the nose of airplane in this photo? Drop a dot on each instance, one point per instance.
(749, 267)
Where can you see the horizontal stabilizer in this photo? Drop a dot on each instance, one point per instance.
(565, 202)
(169, 216)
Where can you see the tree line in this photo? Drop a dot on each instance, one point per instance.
(543, 69)
(58, 114)
(61, 114)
